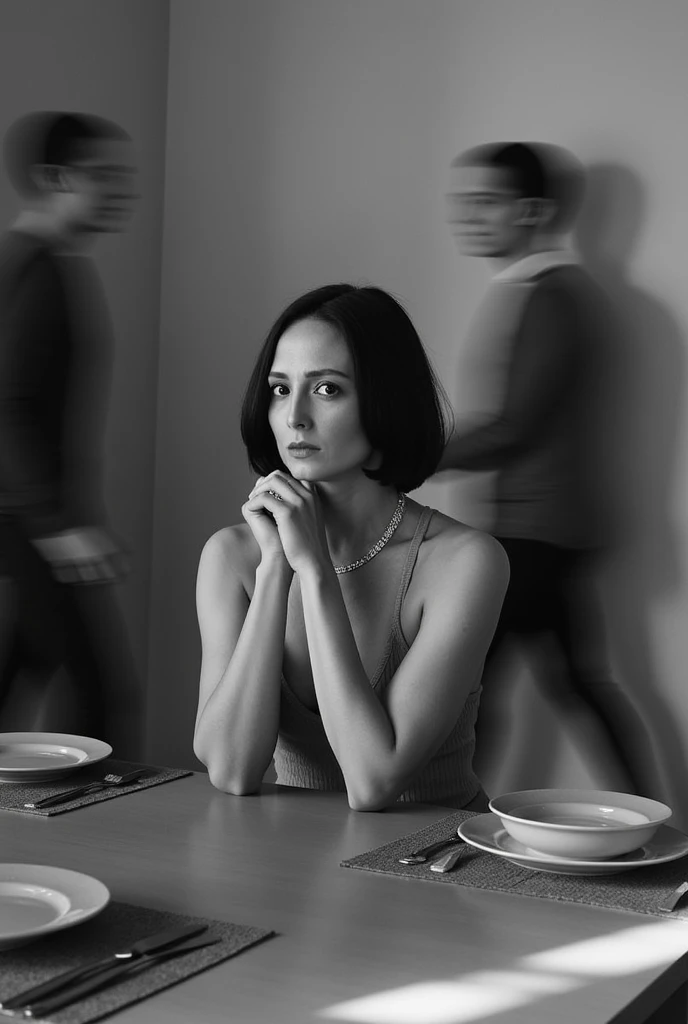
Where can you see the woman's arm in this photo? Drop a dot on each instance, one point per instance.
(242, 643)
(382, 746)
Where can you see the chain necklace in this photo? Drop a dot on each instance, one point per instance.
(376, 548)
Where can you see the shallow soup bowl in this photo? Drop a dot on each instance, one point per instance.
(579, 823)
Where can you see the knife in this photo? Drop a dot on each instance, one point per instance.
(447, 863)
(127, 968)
(426, 852)
(170, 937)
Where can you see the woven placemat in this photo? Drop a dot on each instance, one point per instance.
(13, 795)
(640, 890)
(119, 925)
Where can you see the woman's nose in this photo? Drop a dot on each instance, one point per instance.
(298, 414)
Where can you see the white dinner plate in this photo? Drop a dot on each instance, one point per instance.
(43, 756)
(486, 832)
(36, 899)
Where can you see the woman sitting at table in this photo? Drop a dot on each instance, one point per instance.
(344, 626)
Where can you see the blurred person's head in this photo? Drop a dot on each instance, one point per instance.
(500, 200)
(343, 370)
(567, 181)
(74, 169)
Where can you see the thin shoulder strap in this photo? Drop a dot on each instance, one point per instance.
(414, 547)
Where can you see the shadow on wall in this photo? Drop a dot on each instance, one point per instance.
(646, 389)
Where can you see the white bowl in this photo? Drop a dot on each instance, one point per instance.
(579, 823)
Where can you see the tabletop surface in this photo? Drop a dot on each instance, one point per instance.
(351, 945)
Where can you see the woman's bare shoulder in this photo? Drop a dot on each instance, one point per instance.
(233, 549)
(451, 544)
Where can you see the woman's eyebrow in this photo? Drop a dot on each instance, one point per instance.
(326, 371)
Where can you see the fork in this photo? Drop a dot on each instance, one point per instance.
(426, 852)
(92, 787)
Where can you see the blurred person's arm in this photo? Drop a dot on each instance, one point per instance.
(86, 554)
(539, 376)
(29, 381)
(34, 370)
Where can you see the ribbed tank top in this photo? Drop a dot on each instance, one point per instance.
(303, 756)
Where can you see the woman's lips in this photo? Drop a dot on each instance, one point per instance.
(302, 451)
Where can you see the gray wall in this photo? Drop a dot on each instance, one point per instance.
(309, 142)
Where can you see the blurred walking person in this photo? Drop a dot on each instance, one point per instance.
(542, 322)
(74, 175)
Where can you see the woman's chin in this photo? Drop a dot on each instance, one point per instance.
(301, 472)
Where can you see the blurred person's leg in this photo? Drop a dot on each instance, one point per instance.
(572, 670)
(50, 635)
(550, 615)
(71, 659)
(494, 730)
(85, 705)
(101, 667)
(96, 691)
(30, 647)
(494, 727)
(9, 655)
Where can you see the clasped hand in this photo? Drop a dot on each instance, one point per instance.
(285, 517)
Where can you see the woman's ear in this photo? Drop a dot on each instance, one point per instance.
(374, 460)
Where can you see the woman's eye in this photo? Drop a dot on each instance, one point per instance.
(279, 389)
(327, 389)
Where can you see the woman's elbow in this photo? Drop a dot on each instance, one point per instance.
(232, 784)
(370, 797)
(365, 805)
(222, 777)
(204, 753)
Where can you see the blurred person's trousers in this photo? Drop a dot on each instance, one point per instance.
(551, 610)
(74, 629)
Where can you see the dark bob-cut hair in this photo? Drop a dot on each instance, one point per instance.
(404, 410)
(527, 171)
(53, 138)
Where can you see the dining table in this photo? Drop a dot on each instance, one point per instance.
(351, 945)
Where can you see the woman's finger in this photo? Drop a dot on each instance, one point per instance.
(267, 493)
(277, 488)
(264, 501)
(283, 484)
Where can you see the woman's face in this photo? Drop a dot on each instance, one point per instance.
(314, 413)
